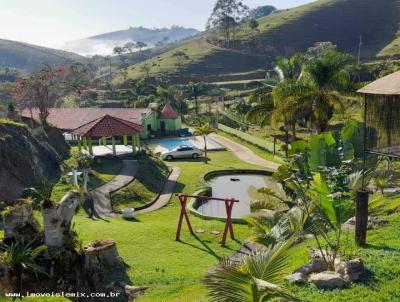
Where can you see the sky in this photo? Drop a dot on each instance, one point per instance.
(52, 23)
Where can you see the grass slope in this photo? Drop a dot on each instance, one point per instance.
(28, 57)
(283, 33)
(147, 184)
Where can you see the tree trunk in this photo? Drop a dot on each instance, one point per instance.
(196, 105)
(19, 222)
(361, 217)
(102, 254)
(57, 217)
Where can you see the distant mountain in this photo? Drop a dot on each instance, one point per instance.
(28, 57)
(103, 44)
(280, 33)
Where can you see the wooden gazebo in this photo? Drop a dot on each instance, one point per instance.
(382, 116)
(107, 127)
(381, 135)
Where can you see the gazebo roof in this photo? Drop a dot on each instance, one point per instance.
(168, 113)
(107, 126)
(388, 85)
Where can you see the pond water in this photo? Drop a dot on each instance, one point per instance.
(239, 186)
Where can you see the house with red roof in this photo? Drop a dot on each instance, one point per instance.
(151, 121)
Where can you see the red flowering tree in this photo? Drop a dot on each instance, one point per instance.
(40, 90)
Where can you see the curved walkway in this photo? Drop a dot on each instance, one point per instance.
(244, 153)
(166, 193)
(101, 196)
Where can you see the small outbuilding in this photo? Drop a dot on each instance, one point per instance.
(382, 116)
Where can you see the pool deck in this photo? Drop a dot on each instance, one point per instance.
(195, 140)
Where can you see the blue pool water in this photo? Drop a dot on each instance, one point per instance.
(171, 143)
(176, 142)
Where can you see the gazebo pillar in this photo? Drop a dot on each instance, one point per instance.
(125, 140)
(113, 146)
(79, 143)
(84, 141)
(100, 142)
(133, 144)
(90, 143)
(138, 141)
(104, 141)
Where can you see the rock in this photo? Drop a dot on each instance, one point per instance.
(316, 254)
(373, 222)
(133, 291)
(25, 161)
(328, 280)
(354, 270)
(340, 267)
(297, 278)
(314, 266)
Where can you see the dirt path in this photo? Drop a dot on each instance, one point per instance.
(244, 153)
(101, 196)
(166, 193)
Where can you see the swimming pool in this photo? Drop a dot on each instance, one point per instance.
(173, 143)
(196, 142)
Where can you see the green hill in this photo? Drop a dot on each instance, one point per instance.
(283, 33)
(28, 57)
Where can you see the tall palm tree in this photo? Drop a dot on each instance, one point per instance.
(195, 90)
(203, 131)
(318, 90)
(253, 279)
(289, 69)
(261, 112)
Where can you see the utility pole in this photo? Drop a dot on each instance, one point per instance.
(359, 50)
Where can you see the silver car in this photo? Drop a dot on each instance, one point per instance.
(183, 151)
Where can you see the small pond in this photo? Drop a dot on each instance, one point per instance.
(241, 186)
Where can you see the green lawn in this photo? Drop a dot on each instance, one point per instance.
(148, 183)
(173, 270)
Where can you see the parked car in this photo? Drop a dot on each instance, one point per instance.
(182, 152)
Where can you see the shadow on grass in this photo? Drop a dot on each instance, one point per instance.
(189, 160)
(179, 187)
(133, 219)
(206, 248)
(382, 248)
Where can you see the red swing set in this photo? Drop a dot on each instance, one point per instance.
(229, 202)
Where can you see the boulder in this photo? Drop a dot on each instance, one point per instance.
(297, 278)
(373, 222)
(354, 270)
(25, 161)
(314, 266)
(328, 280)
(133, 291)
